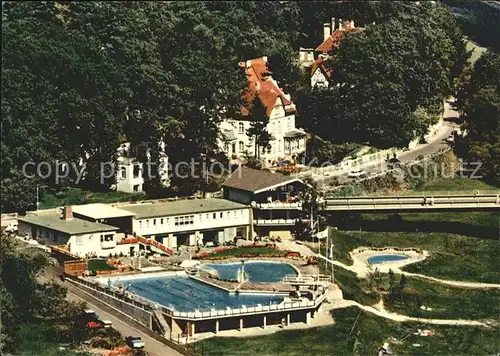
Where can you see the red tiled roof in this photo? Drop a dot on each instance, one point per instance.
(318, 63)
(261, 84)
(333, 41)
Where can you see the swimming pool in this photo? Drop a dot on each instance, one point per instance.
(386, 258)
(257, 271)
(185, 294)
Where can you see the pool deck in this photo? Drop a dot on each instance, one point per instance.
(361, 255)
(245, 288)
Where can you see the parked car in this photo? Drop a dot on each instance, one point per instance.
(356, 174)
(210, 244)
(135, 342)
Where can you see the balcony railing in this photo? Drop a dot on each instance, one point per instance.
(278, 205)
(271, 222)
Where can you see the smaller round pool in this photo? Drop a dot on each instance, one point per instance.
(386, 258)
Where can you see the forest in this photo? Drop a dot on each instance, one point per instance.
(79, 77)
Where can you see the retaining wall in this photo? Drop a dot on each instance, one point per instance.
(138, 314)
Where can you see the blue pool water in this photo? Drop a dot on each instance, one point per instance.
(263, 272)
(186, 294)
(386, 258)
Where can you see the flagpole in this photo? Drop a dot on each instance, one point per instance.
(37, 199)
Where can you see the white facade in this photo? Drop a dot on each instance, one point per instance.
(194, 224)
(100, 243)
(240, 144)
(319, 79)
(129, 172)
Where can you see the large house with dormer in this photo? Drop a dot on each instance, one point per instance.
(313, 58)
(287, 141)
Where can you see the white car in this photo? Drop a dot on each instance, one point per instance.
(356, 174)
(210, 244)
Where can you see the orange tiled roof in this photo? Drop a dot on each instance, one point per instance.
(262, 85)
(333, 41)
(318, 63)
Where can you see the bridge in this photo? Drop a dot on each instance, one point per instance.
(436, 203)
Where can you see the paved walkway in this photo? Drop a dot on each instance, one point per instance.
(402, 318)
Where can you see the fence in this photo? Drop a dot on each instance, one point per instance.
(387, 171)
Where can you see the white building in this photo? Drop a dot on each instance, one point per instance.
(286, 140)
(102, 229)
(191, 222)
(129, 172)
(78, 236)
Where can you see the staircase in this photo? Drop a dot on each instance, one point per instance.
(162, 323)
(156, 246)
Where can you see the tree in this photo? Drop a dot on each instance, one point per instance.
(479, 104)
(402, 284)
(392, 284)
(258, 126)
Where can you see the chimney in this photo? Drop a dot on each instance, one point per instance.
(341, 24)
(333, 24)
(67, 213)
(326, 31)
(352, 23)
(264, 58)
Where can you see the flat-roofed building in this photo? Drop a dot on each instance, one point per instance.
(191, 222)
(106, 214)
(79, 236)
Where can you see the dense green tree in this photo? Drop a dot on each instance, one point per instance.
(479, 104)
(24, 299)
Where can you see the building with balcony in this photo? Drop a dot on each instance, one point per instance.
(287, 141)
(276, 199)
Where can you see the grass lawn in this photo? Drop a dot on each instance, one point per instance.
(446, 302)
(240, 251)
(99, 265)
(452, 257)
(358, 333)
(457, 185)
(75, 196)
(477, 51)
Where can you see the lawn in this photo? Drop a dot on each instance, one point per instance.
(456, 185)
(99, 265)
(246, 252)
(446, 302)
(359, 333)
(452, 257)
(477, 51)
(75, 196)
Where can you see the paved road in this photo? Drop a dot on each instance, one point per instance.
(434, 144)
(153, 346)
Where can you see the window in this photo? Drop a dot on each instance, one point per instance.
(226, 147)
(123, 172)
(79, 240)
(176, 219)
(233, 146)
(161, 221)
(137, 170)
(228, 214)
(106, 238)
(235, 213)
(191, 219)
(241, 146)
(208, 216)
(215, 216)
(241, 128)
(136, 188)
(221, 215)
(147, 223)
(140, 223)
